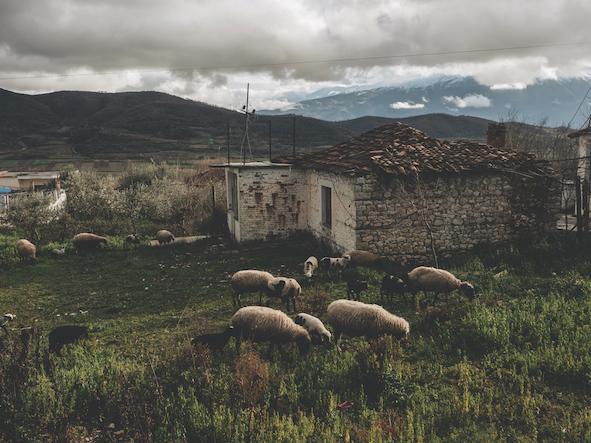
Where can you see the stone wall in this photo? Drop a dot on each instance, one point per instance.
(273, 202)
(401, 218)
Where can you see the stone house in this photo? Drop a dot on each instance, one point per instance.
(396, 192)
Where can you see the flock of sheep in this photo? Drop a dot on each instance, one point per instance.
(264, 324)
(85, 242)
(349, 317)
(82, 242)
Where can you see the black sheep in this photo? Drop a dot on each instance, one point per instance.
(354, 287)
(214, 342)
(5, 319)
(393, 285)
(63, 335)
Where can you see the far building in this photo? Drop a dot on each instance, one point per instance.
(396, 192)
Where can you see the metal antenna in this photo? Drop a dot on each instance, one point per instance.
(246, 122)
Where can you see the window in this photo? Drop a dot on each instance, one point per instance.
(233, 182)
(326, 202)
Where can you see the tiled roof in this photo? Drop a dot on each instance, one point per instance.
(398, 149)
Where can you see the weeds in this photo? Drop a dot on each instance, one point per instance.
(512, 365)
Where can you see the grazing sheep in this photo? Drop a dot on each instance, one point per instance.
(392, 285)
(132, 239)
(63, 335)
(284, 288)
(5, 319)
(313, 325)
(428, 279)
(164, 236)
(328, 264)
(356, 319)
(354, 288)
(249, 281)
(87, 242)
(58, 252)
(214, 342)
(25, 249)
(259, 324)
(310, 267)
(362, 258)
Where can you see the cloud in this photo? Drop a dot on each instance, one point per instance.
(209, 49)
(469, 101)
(407, 105)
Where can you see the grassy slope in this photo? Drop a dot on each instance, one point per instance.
(512, 366)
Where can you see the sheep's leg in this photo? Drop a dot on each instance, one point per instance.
(337, 340)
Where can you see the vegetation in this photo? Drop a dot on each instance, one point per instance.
(512, 365)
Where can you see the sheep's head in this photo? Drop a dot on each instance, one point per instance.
(468, 290)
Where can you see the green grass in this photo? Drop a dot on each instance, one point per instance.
(513, 365)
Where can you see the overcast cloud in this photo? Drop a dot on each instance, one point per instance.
(208, 50)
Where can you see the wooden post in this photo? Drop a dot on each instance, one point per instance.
(579, 210)
(270, 154)
(294, 135)
(228, 124)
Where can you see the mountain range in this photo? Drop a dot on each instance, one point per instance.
(71, 126)
(554, 102)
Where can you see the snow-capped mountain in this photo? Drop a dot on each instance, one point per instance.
(555, 100)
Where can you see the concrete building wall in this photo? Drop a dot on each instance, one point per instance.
(340, 235)
(272, 202)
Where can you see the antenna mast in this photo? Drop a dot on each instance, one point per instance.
(246, 122)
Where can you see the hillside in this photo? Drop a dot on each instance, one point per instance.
(48, 130)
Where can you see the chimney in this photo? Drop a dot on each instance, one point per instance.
(496, 134)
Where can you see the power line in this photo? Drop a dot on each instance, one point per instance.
(304, 62)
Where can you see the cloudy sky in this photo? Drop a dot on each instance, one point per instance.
(209, 50)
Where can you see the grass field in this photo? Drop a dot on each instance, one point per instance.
(513, 365)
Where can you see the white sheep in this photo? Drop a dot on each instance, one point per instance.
(328, 264)
(362, 258)
(355, 319)
(86, 241)
(164, 236)
(284, 288)
(248, 281)
(429, 279)
(58, 252)
(310, 267)
(25, 249)
(259, 324)
(313, 325)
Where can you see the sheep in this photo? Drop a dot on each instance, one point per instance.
(132, 239)
(436, 280)
(5, 319)
(310, 267)
(392, 285)
(25, 249)
(248, 281)
(285, 288)
(328, 264)
(214, 342)
(259, 324)
(313, 325)
(87, 242)
(63, 335)
(164, 236)
(354, 288)
(362, 258)
(355, 319)
(58, 252)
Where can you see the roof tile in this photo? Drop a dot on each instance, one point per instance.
(398, 149)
